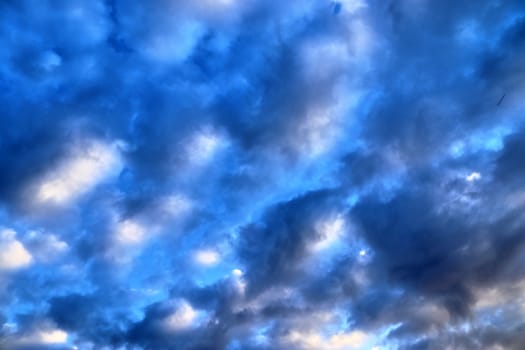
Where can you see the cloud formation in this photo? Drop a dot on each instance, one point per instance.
(249, 174)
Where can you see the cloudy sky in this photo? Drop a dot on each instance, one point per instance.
(262, 175)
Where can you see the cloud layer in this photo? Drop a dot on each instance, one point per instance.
(249, 174)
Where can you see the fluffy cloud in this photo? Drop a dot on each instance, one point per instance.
(13, 254)
(78, 174)
(249, 174)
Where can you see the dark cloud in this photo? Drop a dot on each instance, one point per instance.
(273, 250)
(509, 167)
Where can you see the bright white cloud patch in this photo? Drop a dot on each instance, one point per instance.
(473, 177)
(129, 232)
(316, 341)
(207, 257)
(52, 337)
(176, 205)
(79, 173)
(43, 337)
(183, 317)
(203, 146)
(13, 254)
(330, 231)
(238, 281)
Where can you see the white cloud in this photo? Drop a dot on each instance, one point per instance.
(473, 177)
(176, 205)
(130, 235)
(43, 337)
(313, 340)
(56, 336)
(202, 147)
(207, 257)
(330, 230)
(128, 238)
(13, 254)
(183, 317)
(239, 282)
(79, 173)
(129, 232)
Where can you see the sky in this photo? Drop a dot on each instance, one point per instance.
(262, 175)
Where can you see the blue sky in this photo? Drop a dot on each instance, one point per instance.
(262, 175)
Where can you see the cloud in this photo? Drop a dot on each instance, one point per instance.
(39, 334)
(207, 257)
(183, 317)
(353, 340)
(45, 337)
(13, 255)
(227, 174)
(274, 249)
(78, 175)
(129, 233)
(46, 247)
